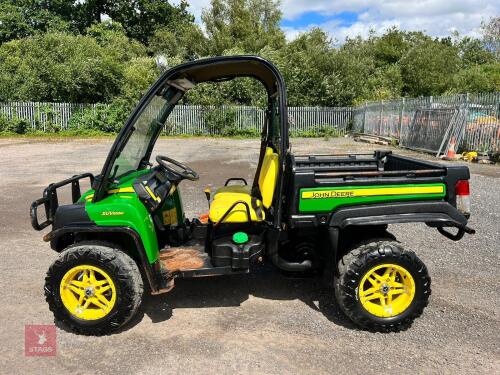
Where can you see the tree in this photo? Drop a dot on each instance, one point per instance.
(491, 35)
(141, 18)
(353, 63)
(58, 67)
(428, 68)
(246, 24)
(477, 79)
(473, 52)
(307, 66)
(18, 20)
(390, 47)
(138, 75)
(112, 36)
(62, 50)
(186, 42)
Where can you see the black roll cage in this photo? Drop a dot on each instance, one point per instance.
(211, 70)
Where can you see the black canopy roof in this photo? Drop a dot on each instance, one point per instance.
(226, 67)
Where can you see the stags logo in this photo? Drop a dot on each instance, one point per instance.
(39, 340)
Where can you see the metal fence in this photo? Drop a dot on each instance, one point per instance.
(195, 119)
(229, 119)
(430, 124)
(472, 121)
(39, 114)
(303, 120)
(213, 120)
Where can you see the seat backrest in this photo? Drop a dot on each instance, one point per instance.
(268, 176)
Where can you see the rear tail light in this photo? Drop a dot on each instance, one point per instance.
(463, 196)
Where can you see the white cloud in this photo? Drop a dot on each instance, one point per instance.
(436, 25)
(436, 17)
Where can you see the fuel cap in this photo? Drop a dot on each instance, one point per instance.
(240, 238)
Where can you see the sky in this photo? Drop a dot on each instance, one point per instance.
(349, 18)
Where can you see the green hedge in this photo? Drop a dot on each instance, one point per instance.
(14, 126)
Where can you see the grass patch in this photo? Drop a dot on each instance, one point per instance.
(60, 134)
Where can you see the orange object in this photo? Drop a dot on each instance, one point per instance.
(204, 218)
(451, 154)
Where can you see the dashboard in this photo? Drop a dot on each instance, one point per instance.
(153, 188)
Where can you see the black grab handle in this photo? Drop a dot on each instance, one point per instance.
(454, 237)
(235, 179)
(226, 214)
(34, 216)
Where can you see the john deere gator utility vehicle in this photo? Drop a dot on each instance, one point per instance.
(322, 213)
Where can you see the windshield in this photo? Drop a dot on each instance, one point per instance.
(147, 125)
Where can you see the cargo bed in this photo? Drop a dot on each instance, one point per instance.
(325, 183)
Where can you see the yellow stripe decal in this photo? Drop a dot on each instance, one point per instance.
(155, 197)
(369, 192)
(122, 190)
(114, 191)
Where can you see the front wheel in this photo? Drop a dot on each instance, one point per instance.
(93, 288)
(382, 287)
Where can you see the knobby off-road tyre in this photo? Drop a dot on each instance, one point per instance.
(93, 288)
(376, 273)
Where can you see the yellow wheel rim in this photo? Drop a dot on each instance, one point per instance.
(87, 292)
(386, 290)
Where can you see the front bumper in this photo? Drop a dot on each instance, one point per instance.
(50, 201)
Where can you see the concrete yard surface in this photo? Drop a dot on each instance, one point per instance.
(262, 323)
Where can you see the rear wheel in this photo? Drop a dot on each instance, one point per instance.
(93, 288)
(382, 287)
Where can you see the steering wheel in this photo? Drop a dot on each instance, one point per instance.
(183, 172)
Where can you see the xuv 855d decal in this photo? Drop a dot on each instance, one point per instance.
(327, 199)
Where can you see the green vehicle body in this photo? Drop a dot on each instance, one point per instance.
(123, 208)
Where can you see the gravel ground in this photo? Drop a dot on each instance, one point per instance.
(259, 323)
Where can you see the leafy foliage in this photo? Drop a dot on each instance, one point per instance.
(17, 20)
(138, 75)
(477, 78)
(247, 24)
(141, 18)
(112, 37)
(64, 50)
(185, 41)
(58, 67)
(102, 118)
(428, 68)
(16, 125)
